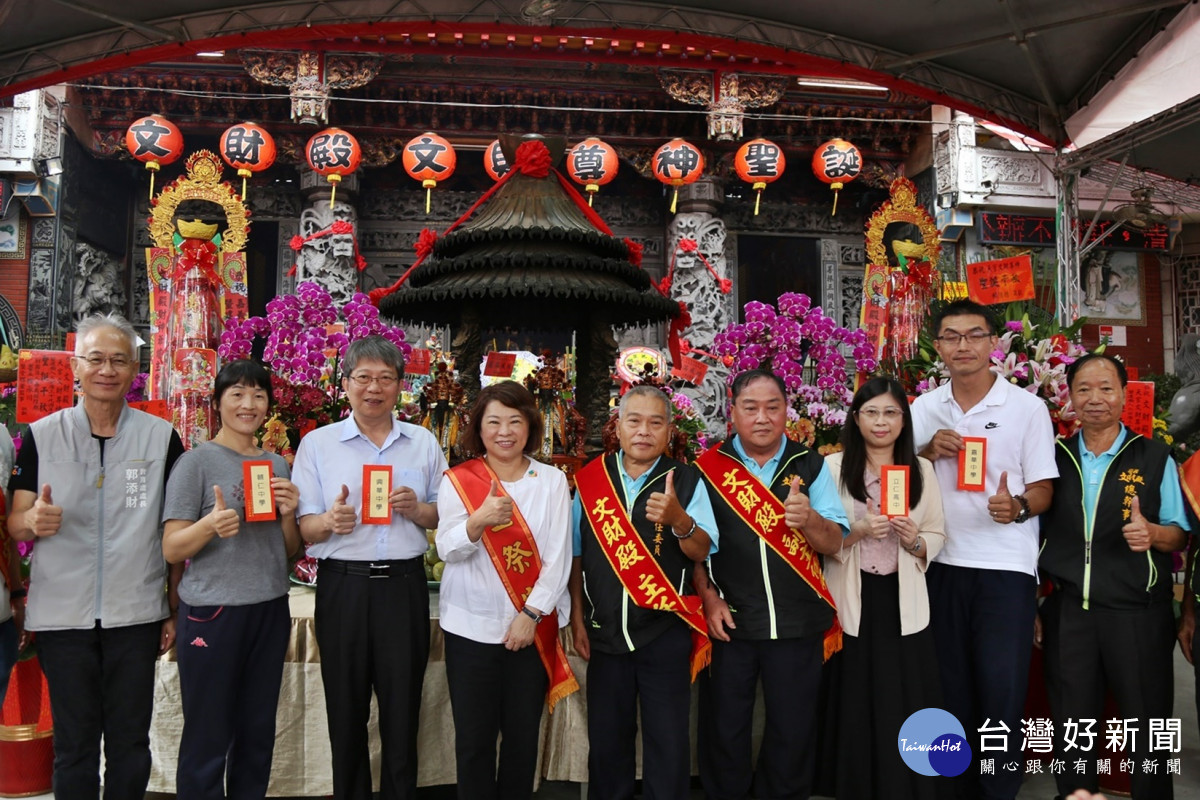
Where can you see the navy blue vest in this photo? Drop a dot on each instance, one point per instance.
(1100, 570)
(615, 624)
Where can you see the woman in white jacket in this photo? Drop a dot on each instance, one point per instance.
(888, 667)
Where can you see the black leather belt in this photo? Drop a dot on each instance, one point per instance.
(373, 569)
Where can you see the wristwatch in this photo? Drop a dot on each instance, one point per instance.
(1025, 513)
(537, 618)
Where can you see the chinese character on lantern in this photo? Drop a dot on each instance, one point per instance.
(592, 163)
(494, 161)
(429, 158)
(759, 162)
(676, 164)
(836, 162)
(247, 148)
(155, 141)
(333, 153)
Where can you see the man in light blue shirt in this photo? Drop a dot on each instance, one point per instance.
(372, 609)
(1116, 517)
(639, 652)
(768, 621)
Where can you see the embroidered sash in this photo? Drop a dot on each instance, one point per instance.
(757, 506)
(635, 567)
(515, 556)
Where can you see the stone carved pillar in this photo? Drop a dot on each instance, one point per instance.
(693, 284)
(328, 261)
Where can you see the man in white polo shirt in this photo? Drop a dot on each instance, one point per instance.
(982, 585)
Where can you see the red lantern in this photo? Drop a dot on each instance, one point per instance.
(333, 153)
(248, 148)
(156, 142)
(759, 162)
(494, 161)
(592, 163)
(837, 162)
(677, 163)
(429, 158)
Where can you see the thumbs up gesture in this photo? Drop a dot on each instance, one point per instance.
(45, 517)
(663, 507)
(342, 516)
(497, 510)
(1000, 505)
(224, 520)
(1137, 531)
(798, 511)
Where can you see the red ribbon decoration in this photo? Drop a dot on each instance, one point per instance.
(201, 254)
(532, 159)
(340, 227)
(635, 252)
(690, 246)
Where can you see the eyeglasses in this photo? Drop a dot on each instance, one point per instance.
(384, 381)
(952, 338)
(890, 414)
(96, 361)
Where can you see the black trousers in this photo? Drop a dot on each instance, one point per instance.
(230, 669)
(101, 683)
(657, 677)
(495, 692)
(982, 621)
(1129, 653)
(790, 670)
(374, 635)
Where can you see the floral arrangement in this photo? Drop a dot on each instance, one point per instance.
(305, 336)
(799, 343)
(1034, 356)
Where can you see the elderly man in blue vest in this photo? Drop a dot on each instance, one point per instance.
(1109, 624)
(88, 485)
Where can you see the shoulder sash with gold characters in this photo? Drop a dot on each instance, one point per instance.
(515, 556)
(636, 568)
(757, 506)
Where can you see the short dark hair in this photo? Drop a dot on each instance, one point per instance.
(963, 308)
(243, 372)
(373, 348)
(512, 395)
(1079, 362)
(749, 376)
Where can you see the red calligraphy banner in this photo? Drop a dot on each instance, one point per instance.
(419, 361)
(45, 384)
(1003, 280)
(156, 407)
(1138, 415)
(691, 370)
(500, 365)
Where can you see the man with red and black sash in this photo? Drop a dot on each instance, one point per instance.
(641, 521)
(769, 612)
(1117, 515)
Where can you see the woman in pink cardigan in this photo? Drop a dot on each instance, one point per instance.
(888, 666)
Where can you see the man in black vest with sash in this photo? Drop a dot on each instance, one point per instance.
(768, 610)
(1116, 517)
(641, 521)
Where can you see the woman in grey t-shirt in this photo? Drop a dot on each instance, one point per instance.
(233, 621)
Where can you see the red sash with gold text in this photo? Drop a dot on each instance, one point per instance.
(515, 556)
(757, 506)
(631, 560)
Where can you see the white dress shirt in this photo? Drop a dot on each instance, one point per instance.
(474, 602)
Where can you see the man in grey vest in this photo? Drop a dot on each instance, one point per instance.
(88, 485)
